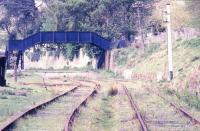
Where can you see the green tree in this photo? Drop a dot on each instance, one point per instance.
(20, 19)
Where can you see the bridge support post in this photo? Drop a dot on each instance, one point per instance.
(111, 60)
(108, 60)
(8, 60)
(2, 71)
(22, 61)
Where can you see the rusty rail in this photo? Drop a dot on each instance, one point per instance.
(89, 81)
(183, 111)
(135, 108)
(42, 84)
(17, 116)
(71, 117)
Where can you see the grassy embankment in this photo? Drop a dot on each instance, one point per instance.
(185, 86)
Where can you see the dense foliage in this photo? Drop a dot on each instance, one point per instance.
(19, 18)
(109, 18)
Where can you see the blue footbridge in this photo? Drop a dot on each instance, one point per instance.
(20, 46)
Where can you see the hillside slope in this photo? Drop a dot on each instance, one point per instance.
(186, 56)
(151, 69)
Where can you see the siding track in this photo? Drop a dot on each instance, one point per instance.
(58, 111)
(135, 108)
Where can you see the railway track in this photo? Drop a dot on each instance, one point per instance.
(160, 114)
(71, 116)
(179, 109)
(59, 110)
(136, 110)
(88, 81)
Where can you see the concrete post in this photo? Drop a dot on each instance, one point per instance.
(169, 41)
(111, 60)
(108, 60)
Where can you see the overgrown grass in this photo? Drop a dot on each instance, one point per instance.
(193, 43)
(154, 47)
(15, 97)
(106, 115)
(108, 74)
(105, 112)
(7, 92)
(190, 99)
(98, 115)
(186, 56)
(122, 56)
(11, 104)
(185, 96)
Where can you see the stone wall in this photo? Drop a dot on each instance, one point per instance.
(48, 62)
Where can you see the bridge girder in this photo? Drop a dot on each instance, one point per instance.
(59, 38)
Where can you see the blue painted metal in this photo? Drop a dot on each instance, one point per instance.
(55, 37)
(2, 70)
(59, 38)
(101, 61)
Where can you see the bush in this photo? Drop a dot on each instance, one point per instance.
(113, 91)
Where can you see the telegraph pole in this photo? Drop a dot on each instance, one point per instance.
(169, 40)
